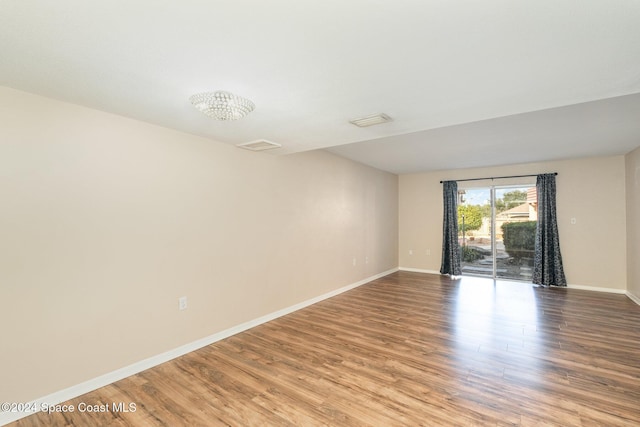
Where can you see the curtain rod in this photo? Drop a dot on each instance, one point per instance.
(495, 177)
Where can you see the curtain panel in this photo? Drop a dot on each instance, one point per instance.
(450, 246)
(547, 262)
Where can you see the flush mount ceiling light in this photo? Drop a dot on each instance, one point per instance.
(374, 119)
(222, 105)
(259, 145)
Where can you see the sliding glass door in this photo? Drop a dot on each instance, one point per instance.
(497, 227)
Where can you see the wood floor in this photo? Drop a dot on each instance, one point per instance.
(408, 349)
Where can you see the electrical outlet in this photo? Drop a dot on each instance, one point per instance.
(428, 252)
(410, 251)
(182, 303)
(354, 262)
(366, 260)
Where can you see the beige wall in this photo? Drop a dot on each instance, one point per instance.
(106, 221)
(633, 222)
(590, 190)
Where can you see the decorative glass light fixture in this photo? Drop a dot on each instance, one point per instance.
(222, 105)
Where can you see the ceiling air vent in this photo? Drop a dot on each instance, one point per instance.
(259, 145)
(374, 119)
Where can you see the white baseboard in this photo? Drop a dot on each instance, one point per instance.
(419, 270)
(597, 289)
(111, 377)
(633, 298)
(629, 295)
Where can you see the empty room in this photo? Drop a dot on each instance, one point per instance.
(297, 213)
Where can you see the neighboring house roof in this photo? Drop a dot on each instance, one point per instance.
(519, 211)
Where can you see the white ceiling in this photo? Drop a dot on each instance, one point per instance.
(468, 83)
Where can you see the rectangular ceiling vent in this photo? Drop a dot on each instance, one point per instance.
(374, 119)
(259, 145)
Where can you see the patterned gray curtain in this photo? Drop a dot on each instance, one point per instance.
(547, 262)
(450, 247)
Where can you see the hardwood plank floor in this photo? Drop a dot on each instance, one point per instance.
(408, 349)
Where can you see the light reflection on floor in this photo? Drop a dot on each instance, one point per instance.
(494, 321)
(481, 300)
